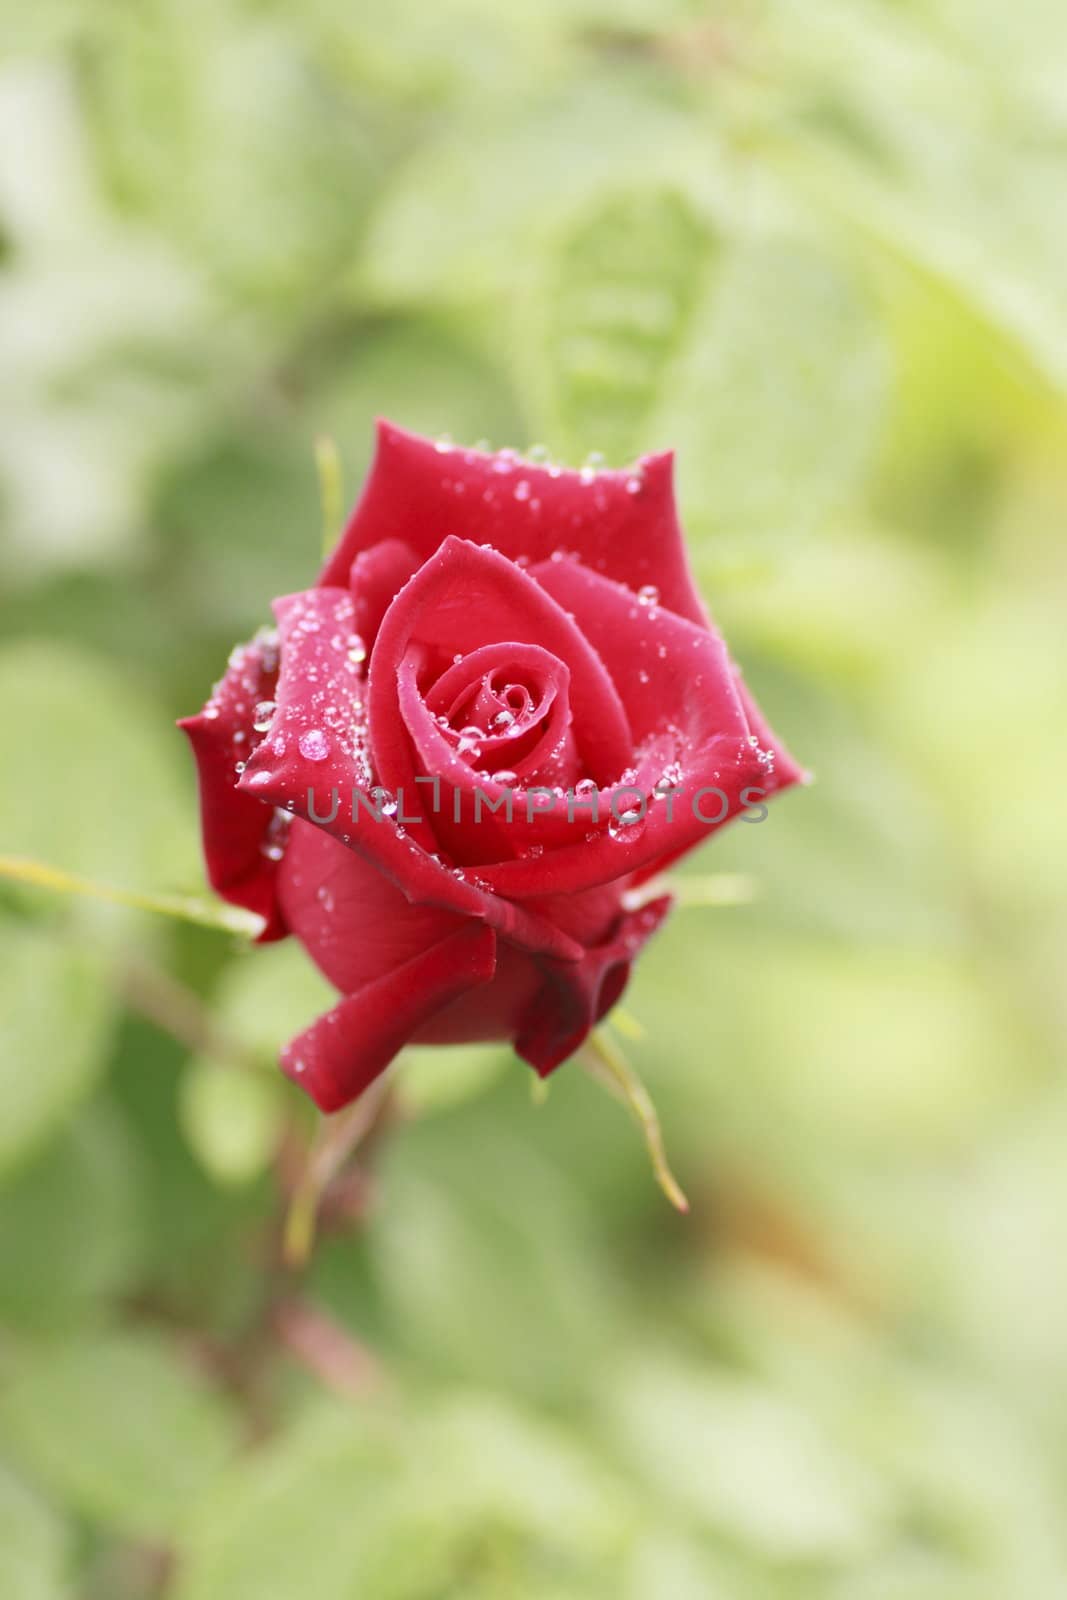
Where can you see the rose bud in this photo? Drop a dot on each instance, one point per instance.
(499, 712)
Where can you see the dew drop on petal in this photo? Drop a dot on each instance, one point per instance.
(261, 717)
(648, 595)
(314, 745)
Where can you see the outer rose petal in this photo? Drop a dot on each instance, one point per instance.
(624, 524)
(664, 668)
(345, 1050)
(353, 921)
(573, 999)
(376, 576)
(234, 826)
(361, 931)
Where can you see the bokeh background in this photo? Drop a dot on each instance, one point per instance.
(821, 249)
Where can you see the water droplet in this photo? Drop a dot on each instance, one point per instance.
(258, 779)
(642, 676)
(508, 779)
(503, 719)
(522, 489)
(209, 713)
(584, 789)
(239, 766)
(635, 483)
(648, 595)
(620, 826)
(314, 745)
(357, 650)
(324, 896)
(261, 717)
(443, 444)
(299, 1066)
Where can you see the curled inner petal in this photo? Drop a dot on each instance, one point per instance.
(506, 707)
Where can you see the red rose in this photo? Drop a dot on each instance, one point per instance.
(489, 636)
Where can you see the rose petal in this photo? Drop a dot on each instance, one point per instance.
(462, 600)
(465, 597)
(314, 750)
(666, 670)
(235, 826)
(470, 808)
(716, 782)
(345, 1050)
(573, 999)
(624, 524)
(376, 577)
(353, 921)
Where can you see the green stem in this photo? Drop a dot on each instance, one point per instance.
(335, 1140)
(187, 908)
(610, 1067)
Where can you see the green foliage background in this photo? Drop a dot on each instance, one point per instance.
(820, 248)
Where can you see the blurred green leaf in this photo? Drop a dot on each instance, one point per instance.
(233, 1118)
(483, 1255)
(100, 794)
(903, 136)
(600, 334)
(119, 1425)
(469, 1498)
(71, 1224)
(35, 1547)
(777, 398)
(437, 1078)
(56, 1011)
(462, 215)
(747, 1462)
